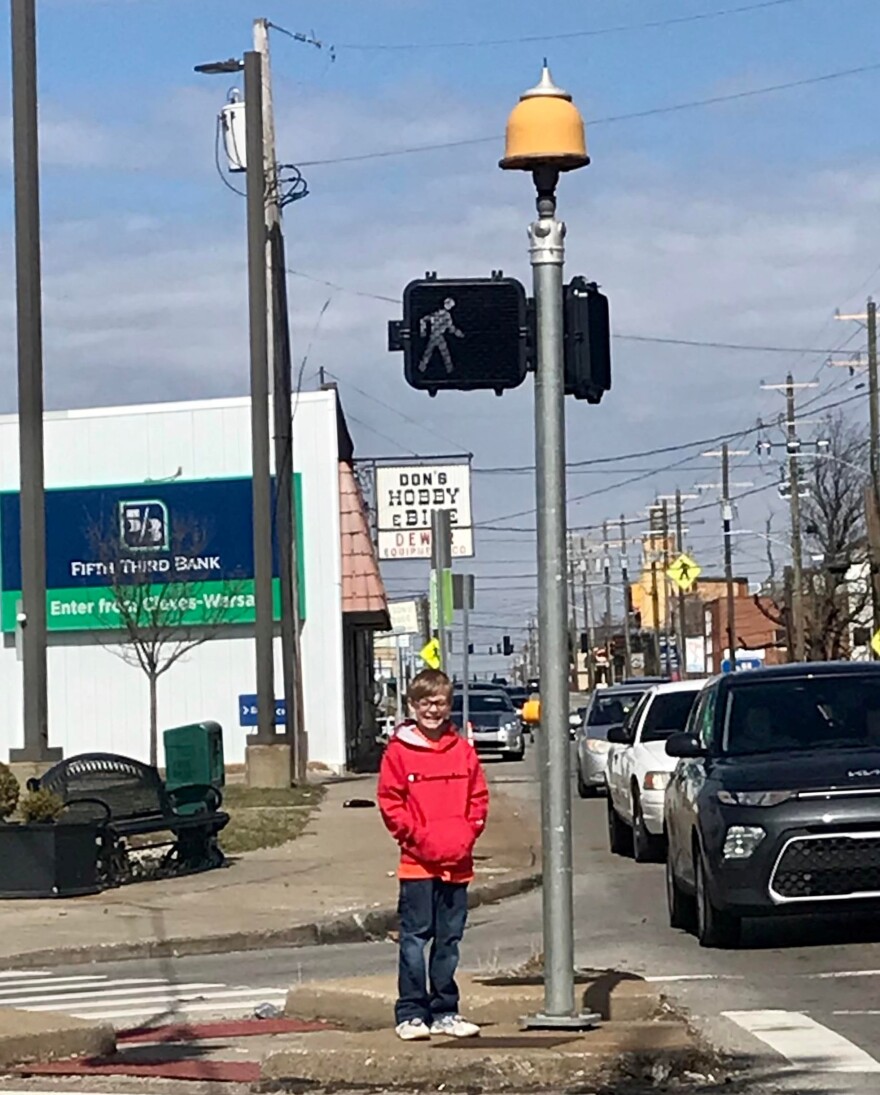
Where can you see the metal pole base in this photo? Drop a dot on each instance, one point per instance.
(584, 1020)
(36, 755)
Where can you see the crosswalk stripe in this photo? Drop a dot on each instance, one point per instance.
(804, 1043)
(71, 984)
(98, 992)
(170, 996)
(122, 999)
(137, 1013)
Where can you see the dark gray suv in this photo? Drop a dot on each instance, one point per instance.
(774, 805)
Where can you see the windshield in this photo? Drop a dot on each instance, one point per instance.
(667, 715)
(482, 703)
(608, 710)
(821, 712)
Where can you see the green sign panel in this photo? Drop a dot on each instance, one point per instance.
(161, 555)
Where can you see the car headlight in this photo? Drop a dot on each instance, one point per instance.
(742, 840)
(597, 745)
(656, 781)
(754, 798)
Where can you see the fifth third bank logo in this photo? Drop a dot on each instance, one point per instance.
(144, 526)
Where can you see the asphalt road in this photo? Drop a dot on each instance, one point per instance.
(810, 988)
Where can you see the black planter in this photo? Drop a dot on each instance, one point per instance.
(47, 860)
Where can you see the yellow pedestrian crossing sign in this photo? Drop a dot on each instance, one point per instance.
(684, 572)
(875, 642)
(430, 654)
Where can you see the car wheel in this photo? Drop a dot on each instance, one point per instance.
(620, 839)
(518, 754)
(584, 789)
(646, 847)
(682, 909)
(715, 927)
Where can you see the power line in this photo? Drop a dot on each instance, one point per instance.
(651, 112)
(726, 345)
(395, 410)
(562, 36)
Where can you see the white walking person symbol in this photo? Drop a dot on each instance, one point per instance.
(441, 325)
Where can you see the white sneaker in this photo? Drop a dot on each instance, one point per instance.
(454, 1026)
(413, 1030)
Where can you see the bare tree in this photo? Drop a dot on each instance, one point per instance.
(834, 536)
(162, 604)
(833, 520)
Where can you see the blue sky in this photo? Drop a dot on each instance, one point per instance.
(747, 221)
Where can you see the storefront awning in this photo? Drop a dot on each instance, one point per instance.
(363, 593)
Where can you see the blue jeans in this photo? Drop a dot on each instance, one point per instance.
(432, 912)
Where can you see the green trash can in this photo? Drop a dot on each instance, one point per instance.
(194, 754)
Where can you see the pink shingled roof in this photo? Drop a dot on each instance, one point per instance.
(362, 586)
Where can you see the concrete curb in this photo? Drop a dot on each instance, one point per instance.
(26, 1037)
(359, 926)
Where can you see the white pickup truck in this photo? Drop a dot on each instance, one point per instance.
(638, 768)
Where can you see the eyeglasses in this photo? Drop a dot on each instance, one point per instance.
(426, 705)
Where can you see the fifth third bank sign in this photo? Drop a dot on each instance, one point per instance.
(405, 497)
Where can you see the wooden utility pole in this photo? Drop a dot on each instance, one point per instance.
(281, 387)
(627, 601)
(588, 625)
(572, 619)
(664, 510)
(655, 611)
(797, 561)
(681, 632)
(727, 520)
(606, 568)
(873, 502)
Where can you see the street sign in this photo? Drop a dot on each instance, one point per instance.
(430, 654)
(875, 642)
(462, 334)
(684, 571)
(463, 592)
(247, 711)
(406, 495)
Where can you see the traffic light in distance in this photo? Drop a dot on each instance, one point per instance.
(462, 334)
(470, 648)
(587, 338)
(585, 643)
(507, 646)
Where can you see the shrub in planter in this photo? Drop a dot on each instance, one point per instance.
(41, 806)
(9, 792)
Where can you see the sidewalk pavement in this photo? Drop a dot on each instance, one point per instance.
(639, 1037)
(335, 883)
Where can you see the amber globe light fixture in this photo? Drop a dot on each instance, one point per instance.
(545, 130)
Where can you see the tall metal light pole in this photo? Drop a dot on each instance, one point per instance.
(28, 283)
(545, 135)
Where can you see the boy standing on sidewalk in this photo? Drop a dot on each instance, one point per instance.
(434, 802)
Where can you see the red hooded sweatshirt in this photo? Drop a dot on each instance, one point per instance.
(434, 802)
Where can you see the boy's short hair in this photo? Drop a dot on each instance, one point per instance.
(430, 682)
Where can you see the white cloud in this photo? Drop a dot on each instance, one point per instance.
(149, 306)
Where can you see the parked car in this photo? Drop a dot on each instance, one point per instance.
(638, 768)
(494, 723)
(774, 805)
(607, 707)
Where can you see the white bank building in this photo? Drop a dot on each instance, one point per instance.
(169, 486)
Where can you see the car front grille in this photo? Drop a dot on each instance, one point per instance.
(833, 867)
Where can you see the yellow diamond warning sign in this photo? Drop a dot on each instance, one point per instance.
(684, 571)
(430, 654)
